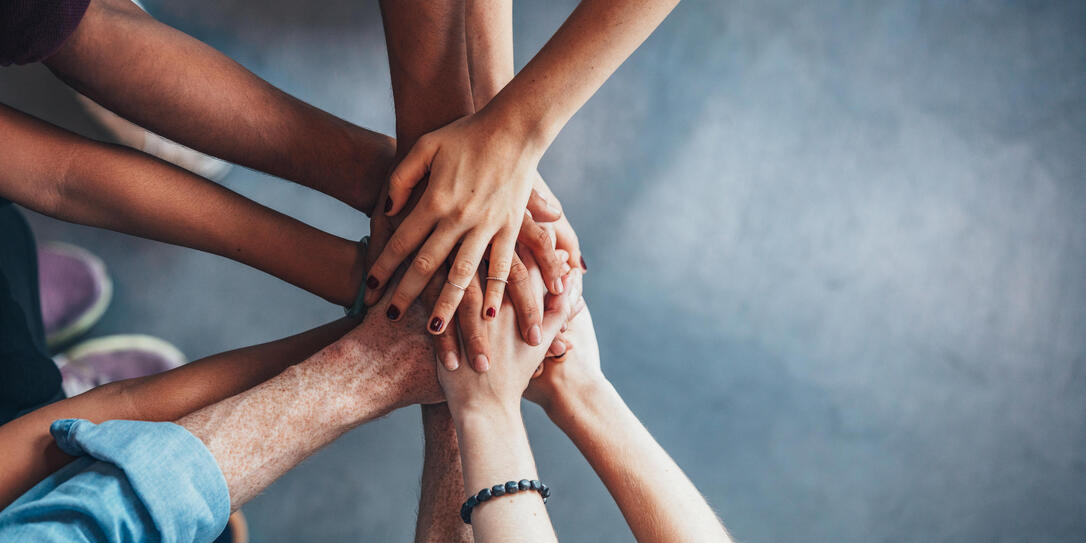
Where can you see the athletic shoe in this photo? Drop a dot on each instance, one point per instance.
(98, 361)
(75, 291)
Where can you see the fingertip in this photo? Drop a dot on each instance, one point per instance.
(535, 335)
(450, 361)
(482, 363)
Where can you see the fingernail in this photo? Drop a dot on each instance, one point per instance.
(372, 283)
(583, 265)
(482, 363)
(435, 324)
(558, 288)
(535, 335)
(388, 204)
(491, 312)
(451, 363)
(552, 209)
(393, 312)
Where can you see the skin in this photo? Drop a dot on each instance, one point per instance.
(659, 502)
(493, 443)
(30, 454)
(258, 435)
(221, 108)
(481, 168)
(431, 87)
(442, 484)
(75, 179)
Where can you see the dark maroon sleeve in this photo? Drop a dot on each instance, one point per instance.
(32, 30)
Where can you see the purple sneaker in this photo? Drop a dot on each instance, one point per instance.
(103, 360)
(75, 291)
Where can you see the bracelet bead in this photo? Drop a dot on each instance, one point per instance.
(511, 487)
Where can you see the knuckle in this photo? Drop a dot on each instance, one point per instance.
(541, 239)
(398, 246)
(500, 268)
(424, 264)
(463, 268)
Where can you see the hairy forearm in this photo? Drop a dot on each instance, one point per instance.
(592, 43)
(657, 499)
(442, 485)
(260, 434)
(494, 449)
(65, 176)
(176, 86)
(30, 453)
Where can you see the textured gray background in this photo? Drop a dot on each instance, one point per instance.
(837, 250)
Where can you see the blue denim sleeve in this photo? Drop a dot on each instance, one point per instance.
(133, 481)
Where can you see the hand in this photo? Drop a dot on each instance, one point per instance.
(405, 352)
(514, 361)
(480, 182)
(578, 372)
(564, 236)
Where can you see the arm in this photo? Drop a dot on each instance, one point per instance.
(176, 86)
(658, 501)
(30, 453)
(442, 486)
(68, 177)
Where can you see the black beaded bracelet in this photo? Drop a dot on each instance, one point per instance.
(512, 487)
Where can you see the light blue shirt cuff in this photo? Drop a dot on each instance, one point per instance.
(134, 481)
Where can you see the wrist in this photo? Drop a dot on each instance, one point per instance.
(505, 117)
(481, 408)
(576, 399)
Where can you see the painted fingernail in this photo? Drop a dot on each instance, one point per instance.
(535, 335)
(388, 204)
(583, 265)
(451, 363)
(393, 312)
(435, 324)
(372, 283)
(482, 363)
(491, 312)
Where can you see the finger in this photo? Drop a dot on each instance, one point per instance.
(536, 238)
(404, 241)
(566, 238)
(538, 371)
(558, 308)
(461, 272)
(423, 267)
(473, 327)
(408, 173)
(525, 303)
(557, 348)
(502, 252)
(541, 209)
(447, 345)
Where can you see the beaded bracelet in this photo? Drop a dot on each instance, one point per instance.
(512, 487)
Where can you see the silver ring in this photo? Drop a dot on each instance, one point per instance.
(456, 285)
(497, 279)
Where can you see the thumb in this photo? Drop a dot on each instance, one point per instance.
(408, 173)
(541, 209)
(559, 308)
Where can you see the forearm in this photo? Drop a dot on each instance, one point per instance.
(428, 65)
(62, 175)
(658, 501)
(442, 486)
(489, 27)
(494, 449)
(30, 453)
(260, 434)
(176, 86)
(592, 43)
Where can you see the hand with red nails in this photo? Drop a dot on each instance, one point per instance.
(515, 361)
(479, 190)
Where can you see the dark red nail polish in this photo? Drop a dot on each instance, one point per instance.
(388, 204)
(372, 283)
(583, 265)
(435, 325)
(490, 312)
(393, 312)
